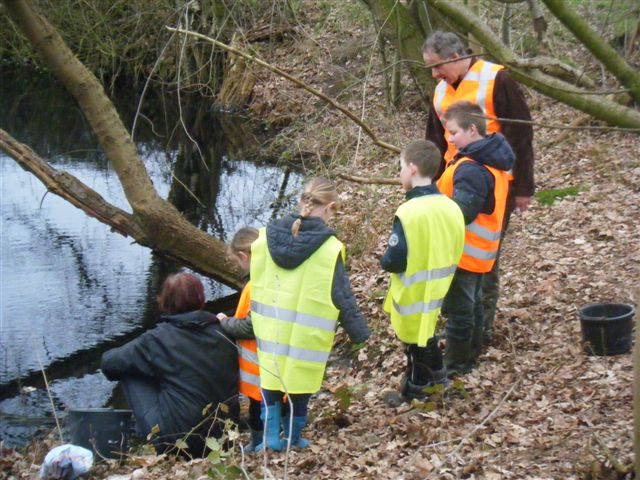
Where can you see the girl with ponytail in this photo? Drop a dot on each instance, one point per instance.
(300, 293)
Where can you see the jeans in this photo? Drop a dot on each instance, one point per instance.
(463, 308)
(491, 283)
(462, 305)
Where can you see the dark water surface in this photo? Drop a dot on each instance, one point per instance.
(69, 288)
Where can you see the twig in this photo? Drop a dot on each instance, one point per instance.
(477, 427)
(179, 73)
(556, 126)
(582, 119)
(366, 80)
(53, 407)
(615, 463)
(297, 82)
(369, 180)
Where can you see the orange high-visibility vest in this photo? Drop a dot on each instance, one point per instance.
(476, 87)
(248, 352)
(482, 236)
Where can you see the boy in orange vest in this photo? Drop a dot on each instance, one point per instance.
(477, 179)
(240, 328)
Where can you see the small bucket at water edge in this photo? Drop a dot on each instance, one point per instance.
(105, 431)
(606, 328)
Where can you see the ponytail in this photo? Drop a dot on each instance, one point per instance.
(318, 191)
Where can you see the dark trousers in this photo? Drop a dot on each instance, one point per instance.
(300, 401)
(491, 283)
(255, 423)
(142, 397)
(463, 308)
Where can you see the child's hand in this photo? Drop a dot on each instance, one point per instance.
(221, 316)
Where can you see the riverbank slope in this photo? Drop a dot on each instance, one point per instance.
(537, 406)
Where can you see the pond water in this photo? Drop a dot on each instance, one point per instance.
(70, 288)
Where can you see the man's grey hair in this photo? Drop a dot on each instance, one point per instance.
(444, 44)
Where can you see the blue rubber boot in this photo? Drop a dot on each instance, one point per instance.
(256, 439)
(296, 435)
(271, 418)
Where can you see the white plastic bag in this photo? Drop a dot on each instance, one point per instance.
(66, 462)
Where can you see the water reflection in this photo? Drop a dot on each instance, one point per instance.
(68, 284)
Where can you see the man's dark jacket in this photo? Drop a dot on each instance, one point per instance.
(508, 102)
(191, 363)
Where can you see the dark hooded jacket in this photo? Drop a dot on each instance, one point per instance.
(289, 252)
(189, 362)
(473, 184)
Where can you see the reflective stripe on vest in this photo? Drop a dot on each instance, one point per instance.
(476, 87)
(249, 355)
(250, 379)
(295, 353)
(434, 229)
(418, 307)
(249, 383)
(427, 275)
(482, 236)
(293, 315)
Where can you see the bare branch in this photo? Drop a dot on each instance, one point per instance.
(369, 180)
(72, 190)
(297, 82)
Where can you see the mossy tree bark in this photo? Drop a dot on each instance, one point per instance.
(405, 31)
(595, 105)
(627, 75)
(165, 228)
(463, 20)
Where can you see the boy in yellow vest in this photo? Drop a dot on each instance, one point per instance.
(477, 179)
(422, 256)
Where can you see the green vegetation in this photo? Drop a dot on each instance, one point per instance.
(548, 196)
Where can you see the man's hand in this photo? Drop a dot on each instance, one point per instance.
(221, 316)
(522, 203)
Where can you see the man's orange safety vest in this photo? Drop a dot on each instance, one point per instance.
(482, 236)
(248, 359)
(476, 87)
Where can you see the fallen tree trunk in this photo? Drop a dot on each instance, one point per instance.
(92, 203)
(165, 229)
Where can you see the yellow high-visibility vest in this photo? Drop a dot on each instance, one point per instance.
(294, 318)
(434, 228)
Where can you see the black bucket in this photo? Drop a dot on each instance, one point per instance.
(104, 431)
(607, 328)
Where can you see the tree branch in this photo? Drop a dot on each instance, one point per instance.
(297, 82)
(161, 222)
(598, 107)
(69, 188)
(369, 180)
(72, 190)
(616, 64)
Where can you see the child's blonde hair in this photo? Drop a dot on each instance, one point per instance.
(318, 191)
(242, 240)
